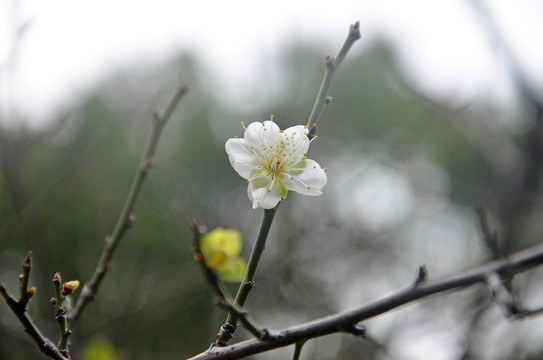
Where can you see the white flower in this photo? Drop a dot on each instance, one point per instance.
(274, 161)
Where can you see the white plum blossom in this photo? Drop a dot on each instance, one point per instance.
(274, 161)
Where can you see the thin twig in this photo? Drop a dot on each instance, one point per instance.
(19, 309)
(23, 280)
(125, 219)
(342, 322)
(60, 315)
(332, 64)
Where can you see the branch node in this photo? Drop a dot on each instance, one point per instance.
(357, 330)
(422, 276)
(156, 114)
(130, 220)
(225, 334)
(329, 61)
(28, 259)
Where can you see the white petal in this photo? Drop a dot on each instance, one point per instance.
(297, 135)
(262, 134)
(310, 181)
(262, 197)
(241, 158)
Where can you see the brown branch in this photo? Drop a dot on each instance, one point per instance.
(126, 218)
(345, 321)
(19, 309)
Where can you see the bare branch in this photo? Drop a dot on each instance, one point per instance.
(126, 219)
(19, 309)
(332, 64)
(345, 321)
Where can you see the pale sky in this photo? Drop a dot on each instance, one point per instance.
(68, 45)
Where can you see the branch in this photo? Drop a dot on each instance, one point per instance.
(345, 321)
(19, 309)
(332, 64)
(126, 219)
(227, 330)
(225, 299)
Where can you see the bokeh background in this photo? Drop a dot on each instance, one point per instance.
(437, 112)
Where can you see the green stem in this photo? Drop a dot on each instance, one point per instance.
(248, 279)
(60, 314)
(125, 219)
(332, 64)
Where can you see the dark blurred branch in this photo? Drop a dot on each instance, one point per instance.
(505, 301)
(528, 175)
(345, 321)
(126, 219)
(332, 64)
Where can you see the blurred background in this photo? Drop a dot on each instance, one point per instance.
(437, 112)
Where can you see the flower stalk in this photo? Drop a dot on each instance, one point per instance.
(235, 314)
(248, 279)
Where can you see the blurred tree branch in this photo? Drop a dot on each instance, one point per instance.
(525, 181)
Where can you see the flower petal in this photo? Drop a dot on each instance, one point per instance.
(262, 135)
(297, 135)
(241, 158)
(265, 197)
(307, 178)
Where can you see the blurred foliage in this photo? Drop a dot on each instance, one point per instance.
(389, 150)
